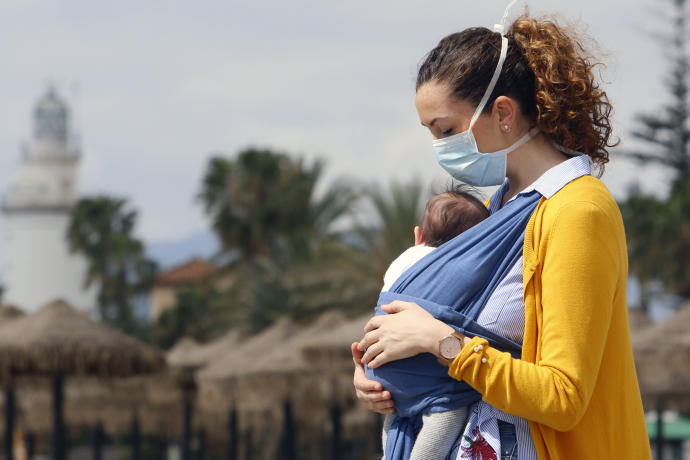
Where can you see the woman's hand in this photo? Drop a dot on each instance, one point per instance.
(406, 331)
(368, 391)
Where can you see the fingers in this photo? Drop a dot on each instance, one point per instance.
(377, 401)
(363, 384)
(370, 392)
(383, 398)
(372, 352)
(379, 360)
(373, 323)
(397, 306)
(356, 354)
(369, 339)
(383, 407)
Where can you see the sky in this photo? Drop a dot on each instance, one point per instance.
(158, 87)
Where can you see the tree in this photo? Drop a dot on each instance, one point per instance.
(101, 228)
(264, 207)
(194, 315)
(666, 131)
(642, 215)
(263, 204)
(396, 212)
(657, 229)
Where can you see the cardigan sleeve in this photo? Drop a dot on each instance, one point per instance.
(581, 265)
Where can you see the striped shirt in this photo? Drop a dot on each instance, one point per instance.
(504, 313)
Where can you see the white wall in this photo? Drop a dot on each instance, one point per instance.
(38, 267)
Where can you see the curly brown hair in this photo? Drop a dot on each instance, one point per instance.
(547, 70)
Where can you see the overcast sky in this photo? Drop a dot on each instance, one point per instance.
(157, 87)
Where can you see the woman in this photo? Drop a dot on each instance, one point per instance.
(530, 97)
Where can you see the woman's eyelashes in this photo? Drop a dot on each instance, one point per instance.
(447, 132)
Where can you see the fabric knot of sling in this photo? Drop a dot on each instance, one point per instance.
(453, 283)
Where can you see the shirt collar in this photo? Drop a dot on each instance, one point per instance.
(557, 177)
(550, 182)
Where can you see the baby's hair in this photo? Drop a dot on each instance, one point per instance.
(451, 212)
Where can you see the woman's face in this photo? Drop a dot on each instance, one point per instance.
(444, 116)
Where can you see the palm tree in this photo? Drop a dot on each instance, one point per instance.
(101, 228)
(665, 131)
(264, 204)
(395, 213)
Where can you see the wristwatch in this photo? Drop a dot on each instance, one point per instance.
(449, 347)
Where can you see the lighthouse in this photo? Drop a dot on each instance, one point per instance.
(38, 266)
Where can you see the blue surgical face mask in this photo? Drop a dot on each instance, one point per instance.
(458, 154)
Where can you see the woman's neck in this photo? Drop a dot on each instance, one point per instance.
(529, 162)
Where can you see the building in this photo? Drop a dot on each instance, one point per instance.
(38, 266)
(169, 283)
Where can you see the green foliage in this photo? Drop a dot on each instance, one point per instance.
(665, 131)
(396, 212)
(264, 208)
(101, 229)
(195, 315)
(335, 278)
(263, 204)
(658, 233)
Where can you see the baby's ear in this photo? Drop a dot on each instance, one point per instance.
(417, 235)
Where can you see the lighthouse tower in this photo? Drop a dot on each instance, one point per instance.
(38, 266)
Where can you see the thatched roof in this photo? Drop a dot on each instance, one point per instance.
(188, 353)
(662, 356)
(345, 334)
(288, 357)
(9, 312)
(333, 350)
(191, 272)
(59, 338)
(238, 358)
(281, 347)
(638, 321)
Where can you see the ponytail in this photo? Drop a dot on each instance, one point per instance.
(571, 107)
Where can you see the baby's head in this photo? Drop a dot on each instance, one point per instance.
(447, 215)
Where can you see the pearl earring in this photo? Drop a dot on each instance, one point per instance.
(506, 128)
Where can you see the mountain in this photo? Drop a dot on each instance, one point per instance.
(170, 253)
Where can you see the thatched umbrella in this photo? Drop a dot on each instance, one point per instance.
(8, 313)
(59, 341)
(638, 321)
(185, 358)
(303, 378)
(188, 353)
(218, 379)
(288, 357)
(233, 361)
(662, 357)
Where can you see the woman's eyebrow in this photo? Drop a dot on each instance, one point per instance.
(432, 122)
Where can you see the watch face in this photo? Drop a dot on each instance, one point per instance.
(450, 347)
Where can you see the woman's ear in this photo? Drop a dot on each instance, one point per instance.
(504, 111)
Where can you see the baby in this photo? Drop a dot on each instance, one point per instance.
(446, 215)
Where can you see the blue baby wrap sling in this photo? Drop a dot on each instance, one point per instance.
(453, 283)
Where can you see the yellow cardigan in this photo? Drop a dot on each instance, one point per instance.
(576, 381)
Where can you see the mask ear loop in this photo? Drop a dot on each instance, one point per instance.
(499, 66)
